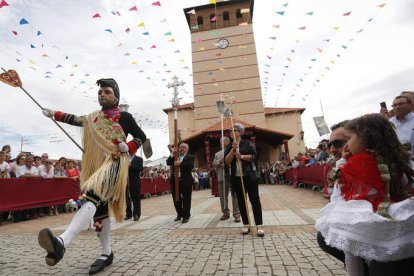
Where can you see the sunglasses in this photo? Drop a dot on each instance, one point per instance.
(336, 143)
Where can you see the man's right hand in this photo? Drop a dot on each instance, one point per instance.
(48, 112)
(384, 112)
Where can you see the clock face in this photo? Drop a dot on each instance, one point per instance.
(223, 43)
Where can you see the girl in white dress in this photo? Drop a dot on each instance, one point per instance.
(371, 214)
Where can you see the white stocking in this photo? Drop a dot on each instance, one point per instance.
(354, 265)
(79, 222)
(104, 237)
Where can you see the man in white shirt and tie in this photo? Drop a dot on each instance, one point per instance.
(186, 164)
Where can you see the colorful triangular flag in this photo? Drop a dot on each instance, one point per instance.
(156, 4)
(3, 3)
(347, 13)
(134, 8)
(96, 15)
(281, 12)
(23, 21)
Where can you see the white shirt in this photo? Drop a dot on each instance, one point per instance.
(22, 170)
(4, 166)
(404, 129)
(44, 174)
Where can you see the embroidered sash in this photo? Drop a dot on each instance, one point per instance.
(106, 176)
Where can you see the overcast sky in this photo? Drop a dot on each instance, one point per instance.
(309, 52)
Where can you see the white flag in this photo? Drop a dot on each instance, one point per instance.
(321, 125)
(191, 12)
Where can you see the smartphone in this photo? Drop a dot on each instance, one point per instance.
(383, 105)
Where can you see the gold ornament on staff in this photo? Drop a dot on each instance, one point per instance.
(229, 113)
(11, 77)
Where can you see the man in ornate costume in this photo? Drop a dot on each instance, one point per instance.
(104, 176)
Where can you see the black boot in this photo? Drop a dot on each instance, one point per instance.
(55, 249)
(99, 264)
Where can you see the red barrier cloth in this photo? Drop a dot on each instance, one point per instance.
(313, 175)
(214, 186)
(163, 185)
(147, 186)
(26, 193)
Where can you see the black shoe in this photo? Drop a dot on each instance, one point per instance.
(136, 218)
(55, 249)
(185, 220)
(177, 218)
(127, 217)
(99, 264)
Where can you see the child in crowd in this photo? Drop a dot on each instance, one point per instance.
(4, 166)
(372, 206)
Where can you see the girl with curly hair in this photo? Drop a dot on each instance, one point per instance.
(371, 213)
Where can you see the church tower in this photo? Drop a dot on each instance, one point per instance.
(225, 62)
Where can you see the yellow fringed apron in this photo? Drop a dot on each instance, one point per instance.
(101, 173)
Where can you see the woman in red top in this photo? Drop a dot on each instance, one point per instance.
(71, 171)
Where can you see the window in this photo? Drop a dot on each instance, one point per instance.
(226, 15)
(239, 14)
(199, 20)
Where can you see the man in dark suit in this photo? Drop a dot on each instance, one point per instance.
(186, 163)
(134, 191)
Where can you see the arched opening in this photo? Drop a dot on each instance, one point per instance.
(200, 20)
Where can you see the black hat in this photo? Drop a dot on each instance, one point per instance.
(109, 83)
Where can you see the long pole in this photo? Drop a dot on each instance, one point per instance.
(27, 93)
(176, 167)
(241, 179)
(224, 195)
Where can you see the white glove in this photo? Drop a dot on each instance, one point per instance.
(48, 112)
(123, 147)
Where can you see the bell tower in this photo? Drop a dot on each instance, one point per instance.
(225, 62)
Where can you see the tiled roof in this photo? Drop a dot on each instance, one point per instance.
(227, 125)
(180, 107)
(277, 110)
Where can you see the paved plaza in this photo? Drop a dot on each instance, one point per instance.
(156, 245)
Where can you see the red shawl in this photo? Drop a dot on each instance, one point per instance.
(358, 176)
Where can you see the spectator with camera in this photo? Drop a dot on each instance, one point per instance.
(403, 121)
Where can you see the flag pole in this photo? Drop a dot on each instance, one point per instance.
(27, 93)
(175, 103)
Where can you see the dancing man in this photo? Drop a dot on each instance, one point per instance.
(104, 176)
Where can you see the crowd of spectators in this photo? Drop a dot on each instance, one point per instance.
(27, 165)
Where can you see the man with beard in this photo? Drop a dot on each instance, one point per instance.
(336, 143)
(104, 176)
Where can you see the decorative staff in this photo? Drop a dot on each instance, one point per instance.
(229, 113)
(175, 103)
(11, 77)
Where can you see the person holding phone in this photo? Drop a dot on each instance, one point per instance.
(404, 122)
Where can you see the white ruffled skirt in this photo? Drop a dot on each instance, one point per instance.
(353, 227)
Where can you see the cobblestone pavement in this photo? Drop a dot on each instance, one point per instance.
(156, 245)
